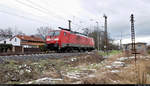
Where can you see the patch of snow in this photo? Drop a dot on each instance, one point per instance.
(147, 56)
(115, 71)
(20, 66)
(91, 76)
(30, 82)
(46, 79)
(89, 52)
(73, 75)
(108, 66)
(122, 58)
(118, 64)
(42, 79)
(78, 82)
(56, 79)
(76, 75)
(28, 70)
(132, 57)
(21, 72)
(73, 59)
(114, 81)
(84, 69)
(25, 65)
(92, 64)
(105, 57)
(35, 63)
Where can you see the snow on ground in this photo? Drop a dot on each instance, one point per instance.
(45, 80)
(115, 71)
(122, 58)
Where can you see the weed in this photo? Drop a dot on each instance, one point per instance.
(141, 77)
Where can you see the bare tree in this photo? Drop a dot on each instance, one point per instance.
(1, 32)
(43, 31)
(86, 31)
(9, 32)
(17, 32)
(6, 32)
(93, 33)
(20, 33)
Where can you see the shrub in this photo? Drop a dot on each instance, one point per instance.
(5, 47)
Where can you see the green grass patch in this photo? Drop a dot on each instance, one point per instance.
(148, 51)
(113, 52)
(72, 69)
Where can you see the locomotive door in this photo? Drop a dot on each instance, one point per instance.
(66, 38)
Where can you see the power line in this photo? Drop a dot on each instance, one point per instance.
(32, 7)
(49, 11)
(38, 8)
(16, 14)
(62, 11)
(29, 5)
(43, 8)
(12, 14)
(54, 8)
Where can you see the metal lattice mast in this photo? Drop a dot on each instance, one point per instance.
(133, 36)
(133, 45)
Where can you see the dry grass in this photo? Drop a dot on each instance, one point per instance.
(143, 70)
(54, 67)
(15, 71)
(99, 79)
(127, 75)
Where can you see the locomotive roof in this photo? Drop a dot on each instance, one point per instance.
(74, 32)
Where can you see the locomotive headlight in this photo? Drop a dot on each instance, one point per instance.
(48, 39)
(56, 39)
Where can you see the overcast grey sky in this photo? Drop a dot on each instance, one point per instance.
(27, 15)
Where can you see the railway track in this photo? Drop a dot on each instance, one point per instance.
(36, 57)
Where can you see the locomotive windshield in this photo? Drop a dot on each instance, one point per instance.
(54, 33)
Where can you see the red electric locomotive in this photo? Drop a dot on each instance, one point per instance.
(66, 40)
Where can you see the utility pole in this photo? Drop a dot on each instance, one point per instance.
(100, 40)
(69, 24)
(97, 36)
(106, 39)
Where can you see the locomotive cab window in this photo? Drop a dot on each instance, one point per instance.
(51, 33)
(65, 33)
(56, 33)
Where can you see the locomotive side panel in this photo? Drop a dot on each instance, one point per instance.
(67, 40)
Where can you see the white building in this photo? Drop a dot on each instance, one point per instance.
(25, 41)
(15, 41)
